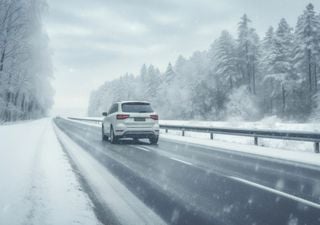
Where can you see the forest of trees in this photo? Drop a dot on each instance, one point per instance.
(243, 77)
(25, 61)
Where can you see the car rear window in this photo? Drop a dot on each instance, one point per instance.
(137, 107)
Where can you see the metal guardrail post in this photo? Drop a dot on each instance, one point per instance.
(211, 136)
(182, 132)
(316, 147)
(255, 140)
(166, 130)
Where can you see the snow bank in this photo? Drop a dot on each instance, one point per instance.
(267, 123)
(271, 123)
(89, 123)
(38, 185)
(256, 151)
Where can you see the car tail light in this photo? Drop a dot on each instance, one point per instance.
(122, 116)
(154, 117)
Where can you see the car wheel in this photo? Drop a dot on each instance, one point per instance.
(113, 138)
(154, 140)
(104, 137)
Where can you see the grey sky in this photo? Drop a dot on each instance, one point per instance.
(99, 40)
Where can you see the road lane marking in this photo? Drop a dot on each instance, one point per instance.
(141, 148)
(181, 161)
(295, 198)
(167, 156)
(283, 194)
(262, 187)
(154, 148)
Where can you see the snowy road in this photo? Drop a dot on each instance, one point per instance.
(177, 183)
(38, 186)
(62, 173)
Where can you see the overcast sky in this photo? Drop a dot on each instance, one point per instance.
(99, 40)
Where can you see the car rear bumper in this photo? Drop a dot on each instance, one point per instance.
(139, 134)
(136, 132)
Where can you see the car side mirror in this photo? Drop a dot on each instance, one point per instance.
(105, 114)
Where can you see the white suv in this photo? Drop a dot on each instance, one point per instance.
(130, 119)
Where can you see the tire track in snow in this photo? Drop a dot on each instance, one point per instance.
(36, 188)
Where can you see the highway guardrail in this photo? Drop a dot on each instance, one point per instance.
(255, 133)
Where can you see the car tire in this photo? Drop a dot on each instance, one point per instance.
(154, 140)
(113, 137)
(104, 137)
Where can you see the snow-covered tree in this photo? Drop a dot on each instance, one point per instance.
(152, 83)
(247, 48)
(266, 60)
(25, 63)
(244, 77)
(169, 75)
(278, 77)
(209, 99)
(226, 61)
(306, 50)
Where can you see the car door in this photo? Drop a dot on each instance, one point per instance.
(110, 117)
(106, 122)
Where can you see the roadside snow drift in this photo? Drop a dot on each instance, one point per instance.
(38, 185)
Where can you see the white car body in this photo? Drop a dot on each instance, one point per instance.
(130, 119)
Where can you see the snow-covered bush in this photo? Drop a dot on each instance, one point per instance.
(242, 105)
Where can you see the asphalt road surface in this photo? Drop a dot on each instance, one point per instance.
(184, 183)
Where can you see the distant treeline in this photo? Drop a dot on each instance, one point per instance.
(25, 63)
(244, 78)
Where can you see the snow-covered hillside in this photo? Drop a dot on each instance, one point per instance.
(38, 185)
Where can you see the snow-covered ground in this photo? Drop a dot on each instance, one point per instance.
(271, 123)
(37, 184)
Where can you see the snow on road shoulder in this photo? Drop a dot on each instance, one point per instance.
(271, 123)
(88, 123)
(275, 153)
(38, 185)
